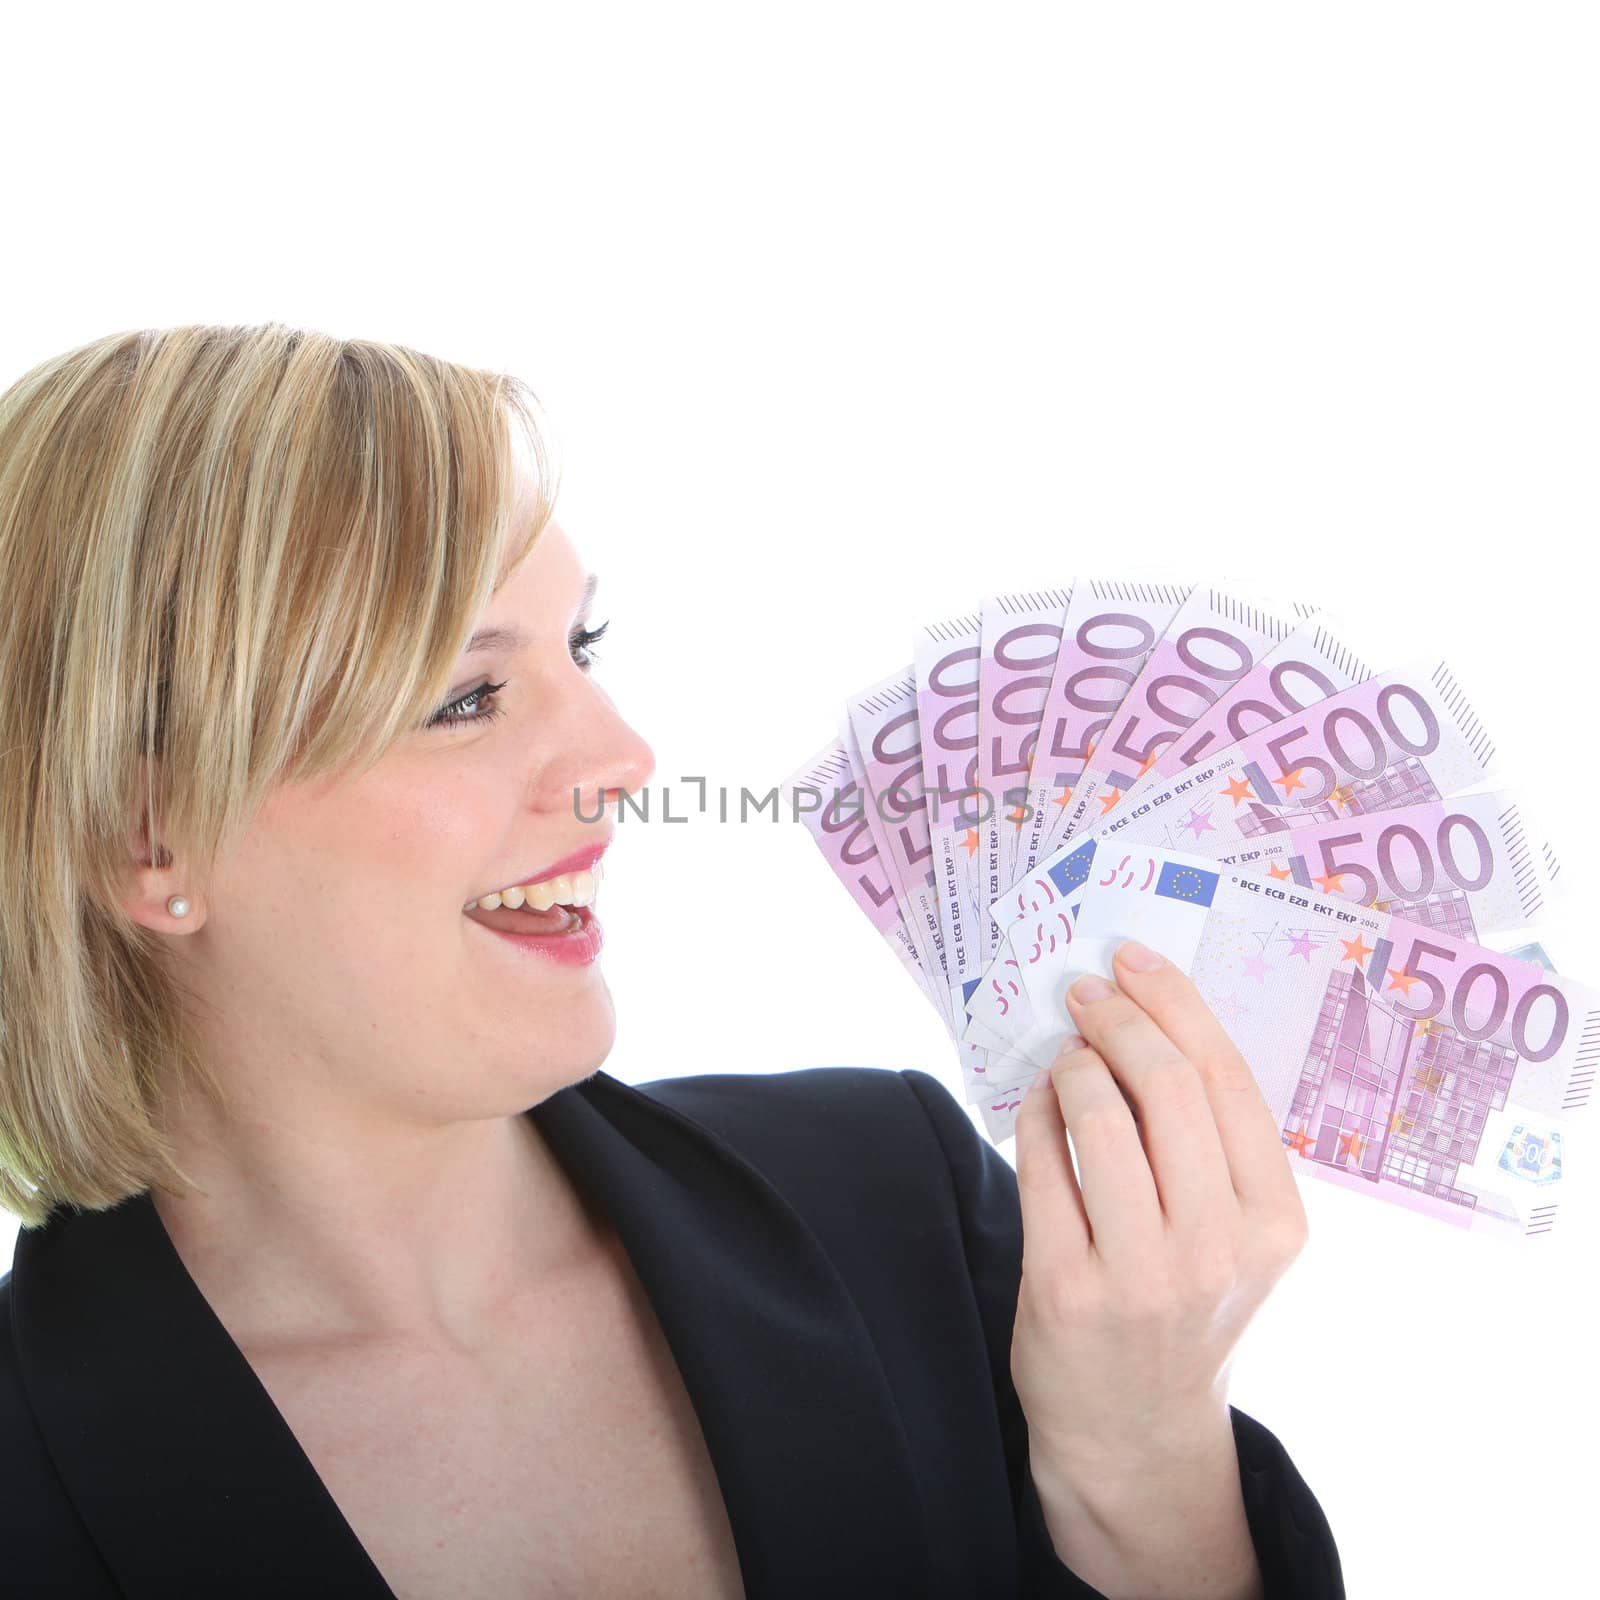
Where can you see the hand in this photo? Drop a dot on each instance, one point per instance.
(1136, 1286)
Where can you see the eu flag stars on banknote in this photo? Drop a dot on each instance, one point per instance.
(1328, 850)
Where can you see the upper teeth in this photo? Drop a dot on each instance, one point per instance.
(567, 889)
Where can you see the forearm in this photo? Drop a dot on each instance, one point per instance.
(1162, 1526)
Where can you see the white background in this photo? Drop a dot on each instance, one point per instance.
(847, 315)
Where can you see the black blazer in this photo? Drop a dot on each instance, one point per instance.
(833, 1254)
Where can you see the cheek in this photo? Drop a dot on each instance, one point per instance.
(400, 856)
(433, 842)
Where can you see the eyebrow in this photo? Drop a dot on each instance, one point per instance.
(502, 638)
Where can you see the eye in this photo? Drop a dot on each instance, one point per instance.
(579, 641)
(479, 704)
(469, 708)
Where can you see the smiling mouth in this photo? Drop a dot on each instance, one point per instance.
(564, 889)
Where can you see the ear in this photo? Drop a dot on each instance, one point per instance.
(152, 877)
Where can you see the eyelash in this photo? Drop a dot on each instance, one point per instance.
(578, 642)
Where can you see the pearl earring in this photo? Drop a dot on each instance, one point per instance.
(178, 906)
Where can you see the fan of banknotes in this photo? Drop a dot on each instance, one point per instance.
(1322, 847)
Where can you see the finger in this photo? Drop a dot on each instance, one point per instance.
(1120, 1202)
(1186, 1157)
(1250, 1135)
(1054, 1220)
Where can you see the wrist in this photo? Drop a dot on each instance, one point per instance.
(1108, 1474)
(1167, 1517)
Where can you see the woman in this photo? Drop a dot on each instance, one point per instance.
(344, 1268)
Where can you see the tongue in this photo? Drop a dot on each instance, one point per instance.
(521, 920)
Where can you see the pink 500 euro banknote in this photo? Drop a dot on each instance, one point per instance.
(1399, 1062)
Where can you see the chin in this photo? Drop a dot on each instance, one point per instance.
(580, 1056)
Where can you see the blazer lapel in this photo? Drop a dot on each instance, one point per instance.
(182, 1468)
(178, 1461)
(794, 1403)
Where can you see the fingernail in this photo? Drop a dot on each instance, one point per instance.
(1041, 1078)
(1139, 957)
(1087, 990)
(1073, 1041)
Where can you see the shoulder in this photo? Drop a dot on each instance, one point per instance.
(894, 1146)
(46, 1547)
(906, 1118)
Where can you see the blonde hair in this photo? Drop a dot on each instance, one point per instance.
(240, 556)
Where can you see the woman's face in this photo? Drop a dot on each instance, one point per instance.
(331, 950)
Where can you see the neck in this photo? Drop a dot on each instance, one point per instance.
(338, 1227)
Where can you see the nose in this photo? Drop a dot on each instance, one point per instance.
(613, 759)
